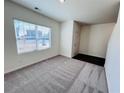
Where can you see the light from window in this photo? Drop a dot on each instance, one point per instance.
(31, 37)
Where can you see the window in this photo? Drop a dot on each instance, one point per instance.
(30, 37)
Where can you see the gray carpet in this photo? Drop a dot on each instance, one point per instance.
(57, 75)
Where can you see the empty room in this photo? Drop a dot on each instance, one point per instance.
(61, 46)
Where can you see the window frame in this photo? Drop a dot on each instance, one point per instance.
(36, 50)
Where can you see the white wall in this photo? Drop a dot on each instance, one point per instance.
(14, 61)
(76, 38)
(112, 64)
(66, 38)
(94, 39)
(70, 38)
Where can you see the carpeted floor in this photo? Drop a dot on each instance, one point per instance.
(57, 75)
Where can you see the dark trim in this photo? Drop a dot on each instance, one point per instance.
(90, 59)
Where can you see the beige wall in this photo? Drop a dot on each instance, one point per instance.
(84, 39)
(70, 38)
(112, 64)
(14, 61)
(94, 39)
(66, 38)
(76, 38)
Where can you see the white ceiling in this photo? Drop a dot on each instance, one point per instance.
(84, 11)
